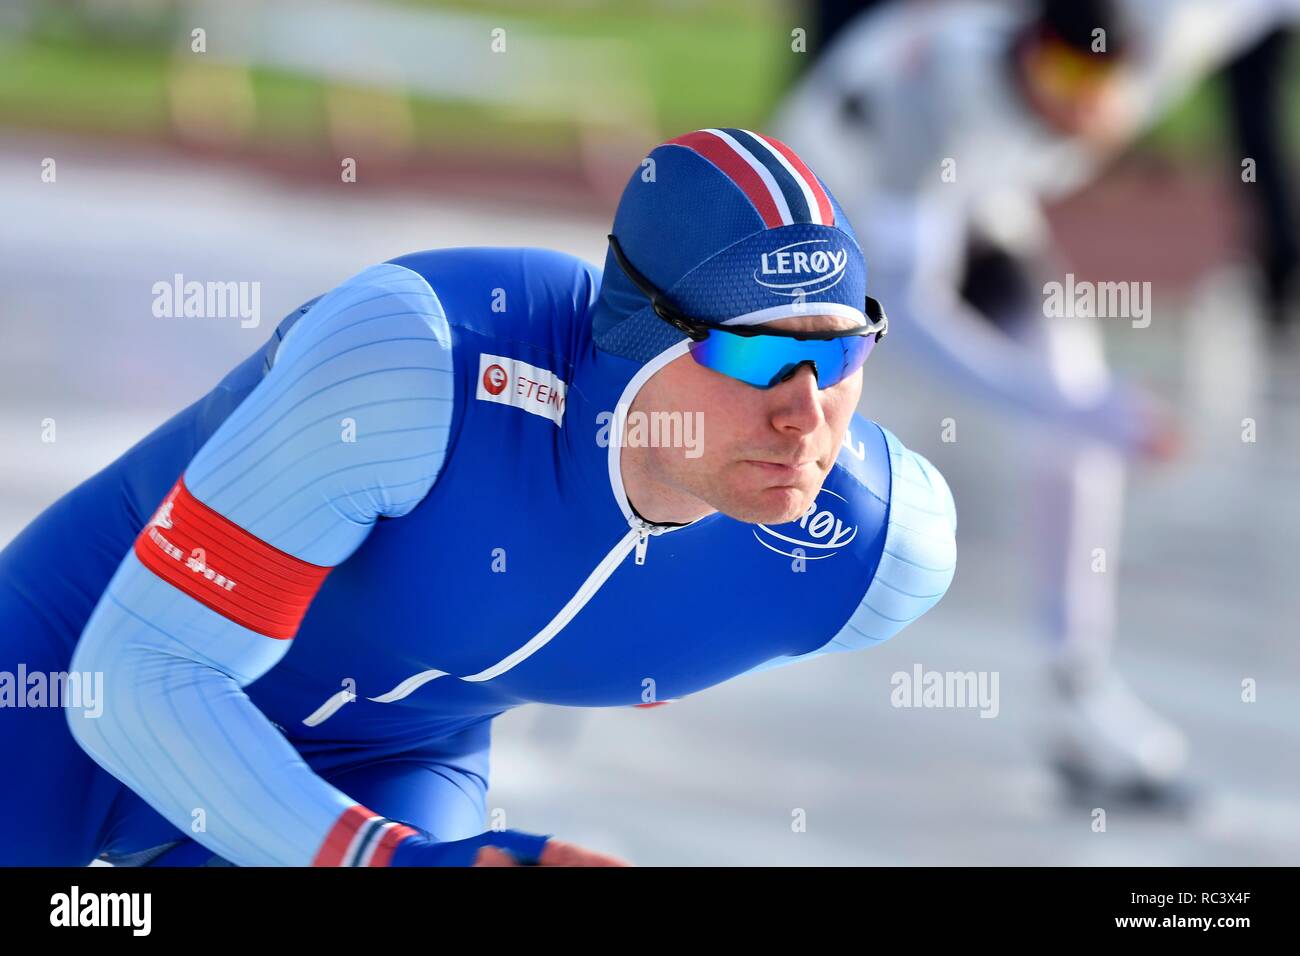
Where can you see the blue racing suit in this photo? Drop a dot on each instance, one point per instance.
(436, 431)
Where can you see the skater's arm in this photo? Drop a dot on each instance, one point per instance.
(917, 275)
(351, 423)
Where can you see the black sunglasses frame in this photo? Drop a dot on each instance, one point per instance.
(698, 329)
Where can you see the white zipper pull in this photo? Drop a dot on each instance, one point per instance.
(644, 529)
(642, 542)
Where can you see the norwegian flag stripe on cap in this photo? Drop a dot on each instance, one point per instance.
(775, 180)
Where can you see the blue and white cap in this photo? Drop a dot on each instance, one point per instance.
(733, 227)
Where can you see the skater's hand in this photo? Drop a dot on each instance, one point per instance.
(1162, 435)
(555, 853)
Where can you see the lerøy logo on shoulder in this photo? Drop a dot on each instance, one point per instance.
(801, 268)
(508, 381)
(819, 533)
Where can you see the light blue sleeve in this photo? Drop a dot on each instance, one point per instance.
(916, 566)
(351, 422)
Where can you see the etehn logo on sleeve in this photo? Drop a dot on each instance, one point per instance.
(102, 909)
(509, 381)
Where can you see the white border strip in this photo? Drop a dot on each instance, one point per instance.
(799, 308)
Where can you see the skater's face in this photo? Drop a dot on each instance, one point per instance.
(762, 453)
(1078, 94)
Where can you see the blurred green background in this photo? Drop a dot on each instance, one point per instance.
(113, 68)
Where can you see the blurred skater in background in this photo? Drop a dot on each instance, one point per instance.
(945, 126)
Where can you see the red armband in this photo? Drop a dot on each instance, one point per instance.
(222, 566)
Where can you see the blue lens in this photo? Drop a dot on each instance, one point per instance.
(765, 360)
